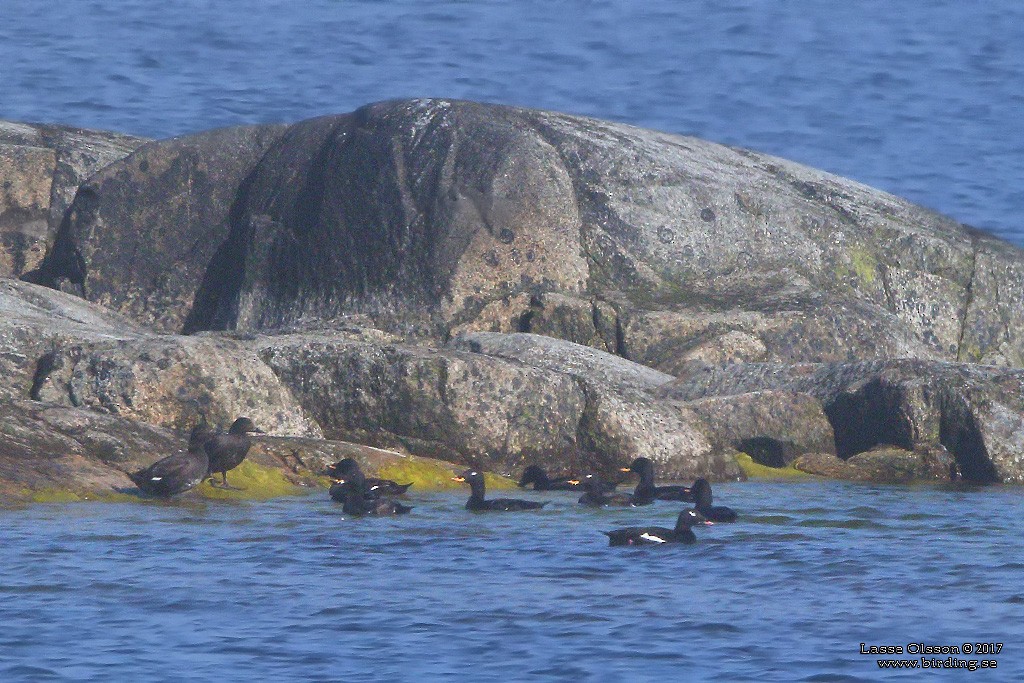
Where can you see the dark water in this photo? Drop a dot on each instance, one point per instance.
(924, 99)
(294, 590)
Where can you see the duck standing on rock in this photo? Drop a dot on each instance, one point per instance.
(352, 490)
(657, 535)
(176, 473)
(227, 451)
(645, 488)
(476, 500)
(374, 487)
(715, 513)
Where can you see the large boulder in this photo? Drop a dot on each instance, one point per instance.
(429, 218)
(773, 427)
(35, 321)
(452, 405)
(171, 381)
(497, 285)
(166, 208)
(622, 420)
(41, 167)
(495, 401)
(434, 217)
(974, 412)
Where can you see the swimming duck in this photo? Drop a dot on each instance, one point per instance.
(227, 451)
(716, 513)
(476, 500)
(353, 491)
(645, 488)
(176, 473)
(656, 535)
(374, 486)
(534, 474)
(596, 495)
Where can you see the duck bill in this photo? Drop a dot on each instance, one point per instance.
(625, 469)
(574, 482)
(459, 479)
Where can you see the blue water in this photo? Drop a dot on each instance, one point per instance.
(294, 590)
(923, 99)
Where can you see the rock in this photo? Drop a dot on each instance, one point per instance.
(26, 176)
(896, 465)
(621, 421)
(166, 207)
(975, 412)
(41, 167)
(54, 453)
(561, 356)
(47, 448)
(169, 380)
(827, 465)
(483, 212)
(496, 285)
(451, 405)
(34, 321)
(773, 427)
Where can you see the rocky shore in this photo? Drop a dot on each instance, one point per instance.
(489, 286)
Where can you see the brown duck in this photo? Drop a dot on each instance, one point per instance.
(176, 473)
(227, 451)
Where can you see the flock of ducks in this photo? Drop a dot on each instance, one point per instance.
(210, 453)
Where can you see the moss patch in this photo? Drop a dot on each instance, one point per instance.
(496, 481)
(755, 470)
(67, 496)
(258, 482)
(864, 265)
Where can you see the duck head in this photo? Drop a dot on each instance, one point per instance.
(244, 425)
(689, 518)
(341, 469)
(701, 490)
(347, 471)
(533, 475)
(644, 467)
(590, 482)
(475, 479)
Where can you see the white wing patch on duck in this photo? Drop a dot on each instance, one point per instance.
(651, 537)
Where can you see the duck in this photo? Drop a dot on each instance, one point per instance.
(374, 486)
(476, 501)
(352, 490)
(534, 474)
(715, 513)
(227, 451)
(597, 496)
(645, 488)
(176, 473)
(657, 535)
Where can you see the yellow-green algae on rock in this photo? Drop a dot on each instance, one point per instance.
(431, 475)
(755, 470)
(255, 482)
(56, 495)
